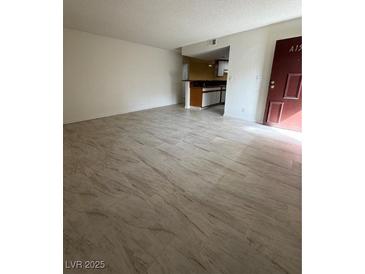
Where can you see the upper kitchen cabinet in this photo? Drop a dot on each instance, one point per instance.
(222, 67)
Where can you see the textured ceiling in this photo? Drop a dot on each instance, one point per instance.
(172, 24)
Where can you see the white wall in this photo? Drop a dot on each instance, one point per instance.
(105, 76)
(250, 60)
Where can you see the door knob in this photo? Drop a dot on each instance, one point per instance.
(272, 82)
(272, 86)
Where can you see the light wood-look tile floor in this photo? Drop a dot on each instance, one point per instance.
(169, 190)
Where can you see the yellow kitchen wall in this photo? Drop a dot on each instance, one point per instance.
(200, 69)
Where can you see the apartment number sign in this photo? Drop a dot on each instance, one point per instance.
(295, 48)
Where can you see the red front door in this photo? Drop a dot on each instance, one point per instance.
(284, 100)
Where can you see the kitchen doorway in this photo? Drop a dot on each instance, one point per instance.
(207, 74)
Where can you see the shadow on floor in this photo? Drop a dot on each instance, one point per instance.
(219, 109)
